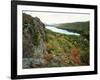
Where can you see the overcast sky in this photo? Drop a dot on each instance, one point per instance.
(56, 18)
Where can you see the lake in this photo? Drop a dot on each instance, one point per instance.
(62, 31)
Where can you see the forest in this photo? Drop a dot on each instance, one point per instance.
(43, 47)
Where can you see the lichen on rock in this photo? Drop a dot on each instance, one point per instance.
(33, 41)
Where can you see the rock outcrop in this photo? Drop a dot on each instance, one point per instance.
(33, 42)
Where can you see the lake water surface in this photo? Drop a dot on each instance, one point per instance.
(62, 31)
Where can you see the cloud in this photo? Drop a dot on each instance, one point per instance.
(55, 18)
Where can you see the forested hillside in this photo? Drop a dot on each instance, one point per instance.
(45, 48)
(80, 27)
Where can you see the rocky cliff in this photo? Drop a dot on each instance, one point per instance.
(33, 41)
(45, 48)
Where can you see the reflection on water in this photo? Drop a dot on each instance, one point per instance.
(55, 29)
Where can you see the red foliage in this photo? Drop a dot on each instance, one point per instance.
(75, 56)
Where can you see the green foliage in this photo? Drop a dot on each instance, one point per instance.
(60, 44)
(59, 47)
(79, 27)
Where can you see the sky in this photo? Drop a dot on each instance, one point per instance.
(56, 18)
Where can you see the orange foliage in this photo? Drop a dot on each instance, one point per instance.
(64, 59)
(49, 45)
(48, 57)
(75, 57)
